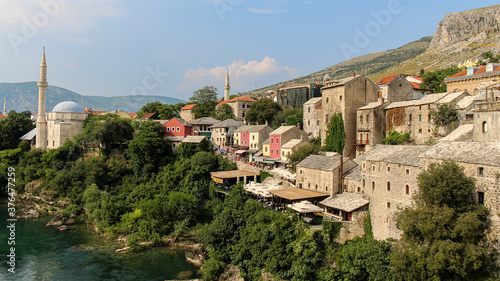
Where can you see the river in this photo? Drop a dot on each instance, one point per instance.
(45, 253)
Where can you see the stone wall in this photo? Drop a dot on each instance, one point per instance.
(318, 180)
(354, 228)
(311, 124)
(471, 84)
(487, 122)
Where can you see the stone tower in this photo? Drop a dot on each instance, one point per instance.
(5, 108)
(227, 87)
(41, 121)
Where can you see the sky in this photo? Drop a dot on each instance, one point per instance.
(175, 47)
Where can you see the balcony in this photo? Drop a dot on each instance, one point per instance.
(361, 142)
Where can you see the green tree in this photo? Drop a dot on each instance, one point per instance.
(161, 111)
(108, 129)
(13, 127)
(224, 112)
(205, 100)
(335, 134)
(435, 80)
(301, 153)
(444, 232)
(395, 138)
(289, 116)
(263, 110)
(149, 149)
(186, 150)
(446, 114)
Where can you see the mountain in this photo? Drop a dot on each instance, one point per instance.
(459, 36)
(24, 96)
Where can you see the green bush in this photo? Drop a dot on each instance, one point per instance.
(133, 242)
(395, 138)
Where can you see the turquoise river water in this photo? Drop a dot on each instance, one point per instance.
(45, 253)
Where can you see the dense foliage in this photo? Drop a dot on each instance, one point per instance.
(446, 114)
(108, 130)
(224, 112)
(262, 110)
(435, 80)
(335, 134)
(13, 127)
(301, 153)
(290, 117)
(444, 233)
(161, 111)
(205, 100)
(395, 138)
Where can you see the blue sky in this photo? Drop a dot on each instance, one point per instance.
(172, 48)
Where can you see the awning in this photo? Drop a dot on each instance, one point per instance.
(268, 161)
(252, 150)
(296, 194)
(258, 158)
(222, 150)
(240, 151)
(305, 207)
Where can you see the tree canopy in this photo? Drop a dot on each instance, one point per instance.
(335, 134)
(161, 111)
(435, 80)
(301, 153)
(13, 127)
(444, 233)
(108, 129)
(446, 114)
(263, 110)
(224, 112)
(205, 100)
(289, 116)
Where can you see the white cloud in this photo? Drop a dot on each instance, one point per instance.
(243, 75)
(59, 15)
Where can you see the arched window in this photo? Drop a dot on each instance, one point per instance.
(485, 127)
(363, 183)
(407, 189)
(373, 186)
(388, 186)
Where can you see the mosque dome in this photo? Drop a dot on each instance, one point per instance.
(68, 107)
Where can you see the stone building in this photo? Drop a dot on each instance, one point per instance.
(288, 148)
(240, 106)
(414, 117)
(487, 122)
(252, 136)
(474, 79)
(295, 96)
(321, 173)
(64, 123)
(223, 132)
(311, 117)
(281, 136)
(397, 88)
(346, 96)
(370, 127)
(187, 112)
(201, 126)
(388, 178)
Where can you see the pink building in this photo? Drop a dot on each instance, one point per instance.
(281, 136)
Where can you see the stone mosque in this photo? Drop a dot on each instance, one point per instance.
(63, 123)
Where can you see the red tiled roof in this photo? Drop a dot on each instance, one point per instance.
(95, 112)
(148, 115)
(497, 69)
(481, 70)
(319, 106)
(222, 102)
(2, 116)
(242, 99)
(418, 78)
(189, 106)
(386, 79)
(132, 114)
(460, 74)
(415, 85)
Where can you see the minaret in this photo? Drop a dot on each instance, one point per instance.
(4, 107)
(227, 87)
(41, 122)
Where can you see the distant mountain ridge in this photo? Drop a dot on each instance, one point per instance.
(24, 96)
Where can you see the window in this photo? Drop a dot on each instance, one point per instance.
(373, 168)
(271, 151)
(300, 172)
(388, 169)
(282, 153)
(272, 140)
(480, 198)
(253, 137)
(243, 114)
(373, 186)
(300, 185)
(309, 110)
(485, 127)
(178, 129)
(309, 185)
(409, 117)
(480, 171)
(327, 99)
(266, 151)
(168, 129)
(326, 188)
(407, 190)
(419, 107)
(363, 183)
(361, 119)
(388, 186)
(420, 118)
(407, 171)
(340, 97)
(419, 131)
(308, 122)
(388, 205)
(363, 165)
(317, 123)
(316, 187)
(359, 189)
(277, 140)
(173, 129)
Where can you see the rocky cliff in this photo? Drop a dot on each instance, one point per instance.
(460, 26)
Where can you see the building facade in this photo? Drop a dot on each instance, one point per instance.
(223, 132)
(474, 79)
(311, 117)
(281, 136)
(64, 123)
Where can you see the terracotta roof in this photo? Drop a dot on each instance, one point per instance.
(320, 106)
(386, 79)
(182, 121)
(294, 194)
(148, 115)
(222, 102)
(2, 116)
(189, 106)
(416, 77)
(497, 69)
(132, 114)
(415, 85)
(460, 74)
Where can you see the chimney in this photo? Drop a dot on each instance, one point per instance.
(267, 123)
(382, 100)
(301, 137)
(298, 125)
(354, 74)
